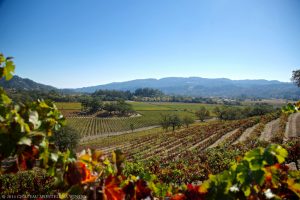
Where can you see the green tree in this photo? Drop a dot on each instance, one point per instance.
(187, 120)
(217, 111)
(91, 104)
(174, 121)
(131, 127)
(165, 122)
(124, 108)
(147, 92)
(120, 107)
(296, 77)
(66, 138)
(110, 107)
(202, 113)
(95, 104)
(260, 109)
(230, 113)
(85, 102)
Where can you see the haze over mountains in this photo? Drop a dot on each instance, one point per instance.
(192, 86)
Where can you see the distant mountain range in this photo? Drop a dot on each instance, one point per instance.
(192, 86)
(205, 87)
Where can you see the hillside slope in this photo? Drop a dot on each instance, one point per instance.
(192, 86)
(19, 83)
(195, 86)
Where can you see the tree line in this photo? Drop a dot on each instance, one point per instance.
(233, 113)
(140, 94)
(173, 121)
(113, 95)
(20, 95)
(94, 104)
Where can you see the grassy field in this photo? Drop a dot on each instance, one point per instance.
(273, 102)
(145, 106)
(68, 105)
(142, 106)
(191, 107)
(175, 106)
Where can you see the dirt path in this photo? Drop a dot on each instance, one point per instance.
(224, 137)
(246, 134)
(270, 128)
(101, 135)
(293, 126)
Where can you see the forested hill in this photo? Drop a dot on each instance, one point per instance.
(195, 86)
(19, 83)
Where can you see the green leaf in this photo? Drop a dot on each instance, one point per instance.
(279, 152)
(37, 134)
(242, 176)
(43, 104)
(256, 164)
(75, 190)
(51, 171)
(2, 58)
(34, 119)
(25, 140)
(254, 154)
(258, 176)
(5, 99)
(246, 189)
(54, 157)
(8, 70)
(44, 144)
(289, 108)
(57, 127)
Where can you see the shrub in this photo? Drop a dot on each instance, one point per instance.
(202, 113)
(220, 158)
(66, 139)
(187, 120)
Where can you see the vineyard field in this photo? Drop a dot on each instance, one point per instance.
(90, 126)
(166, 152)
(199, 137)
(149, 114)
(68, 105)
(191, 107)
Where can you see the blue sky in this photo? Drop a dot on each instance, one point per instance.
(76, 43)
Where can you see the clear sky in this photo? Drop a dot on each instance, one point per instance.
(76, 43)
